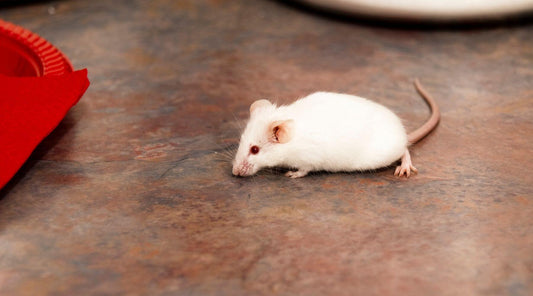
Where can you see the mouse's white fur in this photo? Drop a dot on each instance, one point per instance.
(323, 131)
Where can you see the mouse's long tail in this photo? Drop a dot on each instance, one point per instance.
(433, 120)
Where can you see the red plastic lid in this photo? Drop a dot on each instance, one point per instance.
(23, 53)
(37, 88)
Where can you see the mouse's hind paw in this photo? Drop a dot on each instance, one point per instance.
(406, 167)
(405, 170)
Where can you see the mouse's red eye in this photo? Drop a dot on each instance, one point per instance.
(254, 150)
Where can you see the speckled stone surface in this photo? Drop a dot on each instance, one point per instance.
(133, 193)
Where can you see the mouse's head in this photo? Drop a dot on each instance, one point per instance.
(262, 140)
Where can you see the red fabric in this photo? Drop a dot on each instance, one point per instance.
(30, 109)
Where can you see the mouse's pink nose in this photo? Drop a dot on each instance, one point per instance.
(235, 170)
(242, 169)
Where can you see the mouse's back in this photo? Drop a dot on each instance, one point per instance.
(340, 132)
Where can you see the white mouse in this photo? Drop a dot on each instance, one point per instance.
(328, 132)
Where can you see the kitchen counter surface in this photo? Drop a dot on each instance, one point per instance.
(133, 194)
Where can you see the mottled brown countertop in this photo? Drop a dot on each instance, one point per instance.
(133, 193)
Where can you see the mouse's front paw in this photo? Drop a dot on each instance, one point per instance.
(296, 174)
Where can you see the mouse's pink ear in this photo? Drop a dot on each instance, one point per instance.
(281, 131)
(259, 104)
